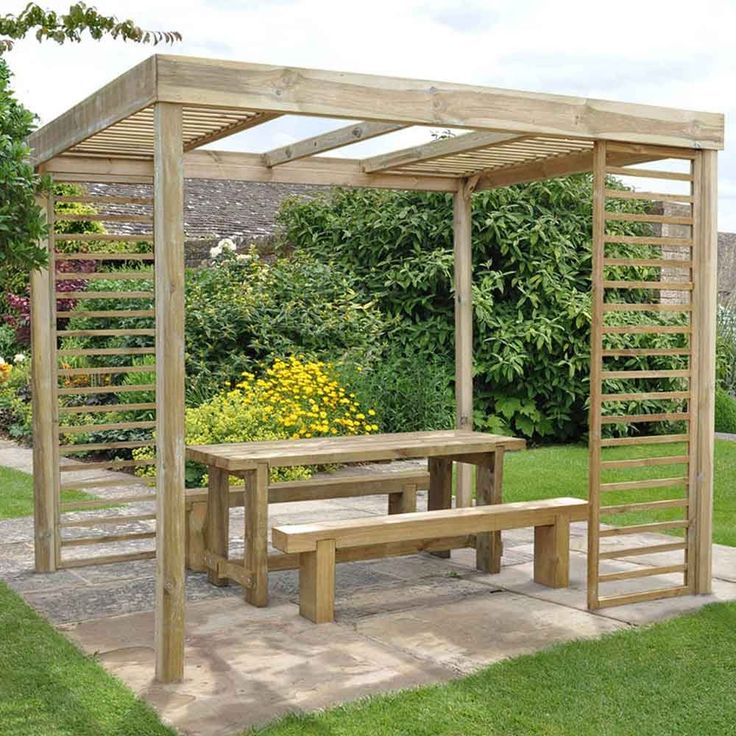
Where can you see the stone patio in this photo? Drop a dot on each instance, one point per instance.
(401, 622)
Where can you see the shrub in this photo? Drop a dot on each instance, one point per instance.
(726, 348)
(532, 266)
(725, 412)
(15, 397)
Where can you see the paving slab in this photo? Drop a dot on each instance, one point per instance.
(247, 666)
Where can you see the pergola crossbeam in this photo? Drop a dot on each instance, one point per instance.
(328, 141)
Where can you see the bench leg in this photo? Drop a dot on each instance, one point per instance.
(218, 520)
(404, 501)
(552, 554)
(489, 490)
(440, 489)
(256, 534)
(196, 520)
(317, 583)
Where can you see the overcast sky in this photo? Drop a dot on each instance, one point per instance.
(679, 54)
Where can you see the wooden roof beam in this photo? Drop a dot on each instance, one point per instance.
(436, 149)
(124, 96)
(328, 141)
(331, 94)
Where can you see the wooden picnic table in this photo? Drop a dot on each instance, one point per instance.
(252, 462)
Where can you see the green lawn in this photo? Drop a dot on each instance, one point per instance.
(563, 471)
(49, 688)
(16, 494)
(677, 677)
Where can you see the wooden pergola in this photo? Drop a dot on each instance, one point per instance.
(149, 126)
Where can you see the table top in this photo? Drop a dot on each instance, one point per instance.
(352, 449)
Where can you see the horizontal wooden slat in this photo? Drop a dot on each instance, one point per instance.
(106, 520)
(107, 539)
(658, 307)
(88, 428)
(648, 240)
(88, 390)
(98, 503)
(91, 446)
(117, 217)
(102, 238)
(106, 408)
(106, 351)
(656, 526)
(128, 480)
(105, 465)
(106, 276)
(644, 352)
(648, 173)
(678, 416)
(648, 262)
(641, 217)
(635, 485)
(647, 196)
(651, 439)
(103, 256)
(646, 396)
(106, 370)
(103, 199)
(141, 332)
(651, 549)
(644, 572)
(641, 597)
(107, 559)
(659, 285)
(646, 329)
(625, 508)
(106, 314)
(645, 462)
(78, 295)
(674, 373)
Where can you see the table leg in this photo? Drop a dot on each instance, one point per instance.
(256, 534)
(440, 489)
(218, 520)
(488, 490)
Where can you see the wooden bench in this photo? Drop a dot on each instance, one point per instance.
(316, 544)
(401, 487)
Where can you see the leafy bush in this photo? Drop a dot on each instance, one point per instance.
(726, 348)
(725, 412)
(15, 397)
(532, 266)
(410, 393)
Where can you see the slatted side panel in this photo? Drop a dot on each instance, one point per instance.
(643, 382)
(105, 393)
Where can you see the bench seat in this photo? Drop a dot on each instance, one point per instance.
(401, 486)
(317, 543)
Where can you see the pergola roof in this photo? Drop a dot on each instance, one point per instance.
(513, 136)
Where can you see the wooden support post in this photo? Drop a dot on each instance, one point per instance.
(705, 294)
(488, 490)
(317, 583)
(404, 501)
(440, 489)
(256, 534)
(196, 525)
(218, 520)
(43, 376)
(462, 243)
(168, 206)
(552, 553)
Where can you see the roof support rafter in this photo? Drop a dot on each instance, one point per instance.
(436, 149)
(238, 127)
(328, 141)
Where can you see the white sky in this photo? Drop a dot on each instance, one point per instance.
(673, 53)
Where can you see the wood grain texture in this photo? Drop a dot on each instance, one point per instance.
(317, 583)
(256, 534)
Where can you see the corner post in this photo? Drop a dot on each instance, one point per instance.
(43, 374)
(168, 190)
(463, 258)
(705, 295)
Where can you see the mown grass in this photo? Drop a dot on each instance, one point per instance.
(16, 494)
(49, 688)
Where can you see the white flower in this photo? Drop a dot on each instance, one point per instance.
(215, 251)
(19, 357)
(227, 244)
(242, 257)
(2, 361)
